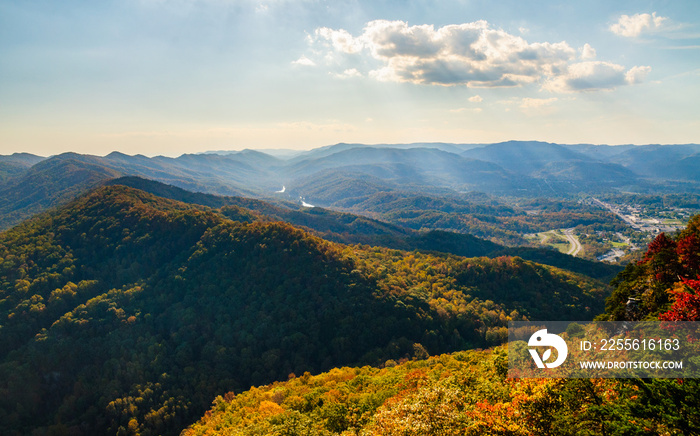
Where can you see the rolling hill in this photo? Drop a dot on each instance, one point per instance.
(15, 164)
(420, 166)
(524, 157)
(355, 229)
(123, 311)
(344, 175)
(49, 183)
(460, 394)
(467, 393)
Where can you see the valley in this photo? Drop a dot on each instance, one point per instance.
(134, 291)
(134, 295)
(653, 222)
(643, 223)
(562, 240)
(350, 177)
(353, 218)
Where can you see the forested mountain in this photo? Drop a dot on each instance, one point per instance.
(21, 160)
(645, 161)
(524, 157)
(480, 215)
(15, 164)
(125, 312)
(417, 212)
(687, 168)
(416, 166)
(467, 393)
(48, 183)
(659, 161)
(589, 168)
(462, 394)
(335, 148)
(346, 174)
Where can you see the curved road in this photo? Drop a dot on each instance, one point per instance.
(573, 240)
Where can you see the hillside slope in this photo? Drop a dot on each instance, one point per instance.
(467, 393)
(408, 210)
(49, 183)
(462, 394)
(666, 282)
(125, 312)
(17, 163)
(344, 175)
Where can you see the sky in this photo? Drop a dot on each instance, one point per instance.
(167, 77)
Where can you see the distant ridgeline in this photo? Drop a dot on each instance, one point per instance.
(355, 229)
(127, 313)
(354, 177)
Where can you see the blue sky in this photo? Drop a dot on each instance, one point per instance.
(175, 76)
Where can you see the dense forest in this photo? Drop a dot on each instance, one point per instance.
(464, 393)
(483, 217)
(665, 283)
(468, 393)
(126, 313)
(423, 185)
(354, 229)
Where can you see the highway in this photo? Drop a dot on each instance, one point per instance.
(628, 219)
(573, 241)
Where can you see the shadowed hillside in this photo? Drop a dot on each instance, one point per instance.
(353, 229)
(346, 175)
(126, 310)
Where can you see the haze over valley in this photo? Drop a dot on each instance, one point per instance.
(270, 218)
(218, 264)
(419, 186)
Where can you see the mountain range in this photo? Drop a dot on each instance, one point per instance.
(344, 175)
(356, 229)
(134, 290)
(126, 312)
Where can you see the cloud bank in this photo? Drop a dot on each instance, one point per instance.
(635, 25)
(470, 54)
(595, 75)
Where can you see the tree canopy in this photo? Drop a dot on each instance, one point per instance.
(126, 313)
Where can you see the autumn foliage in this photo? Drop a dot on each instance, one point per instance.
(125, 313)
(664, 282)
(686, 304)
(464, 393)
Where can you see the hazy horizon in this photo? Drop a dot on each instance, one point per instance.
(280, 151)
(169, 77)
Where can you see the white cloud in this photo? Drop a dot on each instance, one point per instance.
(588, 52)
(472, 54)
(632, 26)
(304, 61)
(637, 74)
(341, 40)
(348, 74)
(469, 54)
(595, 75)
(476, 99)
